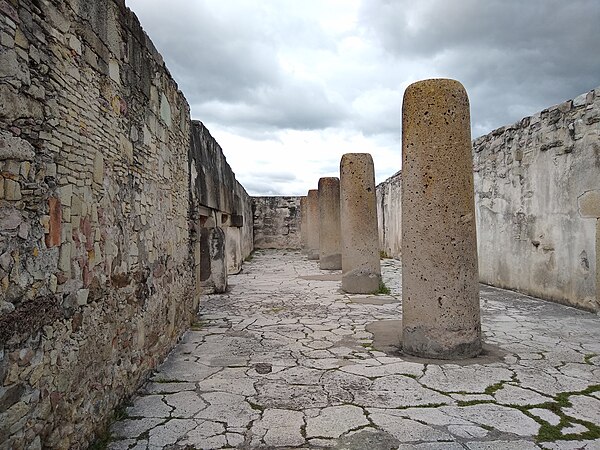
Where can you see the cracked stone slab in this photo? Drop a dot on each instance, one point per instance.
(281, 395)
(406, 430)
(547, 415)
(584, 408)
(514, 395)
(133, 428)
(184, 404)
(395, 368)
(206, 435)
(230, 408)
(502, 445)
(470, 379)
(334, 421)
(502, 418)
(149, 406)
(395, 391)
(280, 428)
(278, 343)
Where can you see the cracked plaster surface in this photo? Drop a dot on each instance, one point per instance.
(283, 359)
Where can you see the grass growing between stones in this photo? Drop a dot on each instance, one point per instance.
(103, 439)
(383, 289)
(383, 255)
(588, 358)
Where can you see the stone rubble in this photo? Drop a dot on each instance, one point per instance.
(283, 361)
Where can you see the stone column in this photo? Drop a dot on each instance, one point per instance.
(303, 224)
(213, 268)
(312, 222)
(330, 251)
(361, 270)
(440, 288)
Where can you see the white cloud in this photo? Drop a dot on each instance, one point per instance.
(287, 87)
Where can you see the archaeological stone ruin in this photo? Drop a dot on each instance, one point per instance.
(330, 246)
(440, 283)
(147, 301)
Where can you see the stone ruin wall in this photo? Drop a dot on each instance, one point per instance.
(277, 222)
(98, 255)
(537, 194)
(389, 215)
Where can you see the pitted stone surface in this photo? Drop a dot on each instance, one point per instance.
(439, 242)
(330, 246)
(312, 224)
(361, 269)
(284, 360)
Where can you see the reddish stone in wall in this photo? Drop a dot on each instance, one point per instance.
(55, 211)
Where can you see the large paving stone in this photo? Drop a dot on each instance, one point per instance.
(334, 421)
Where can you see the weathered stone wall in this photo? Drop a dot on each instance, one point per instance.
(537, 194)
(218, 199)
(530, 179)
(389, 215)
(277, 222)
(97, 262)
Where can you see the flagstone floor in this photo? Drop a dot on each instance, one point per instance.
(284, 360)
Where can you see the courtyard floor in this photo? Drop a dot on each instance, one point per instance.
(284, 359)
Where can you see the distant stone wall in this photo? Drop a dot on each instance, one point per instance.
(535, 184)
(98, 250)
(389, 215)
(537, 195)
(277, 222)
(218, 199)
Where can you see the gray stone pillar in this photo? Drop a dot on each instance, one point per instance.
(213, 268)
(303, 224)
(361, 270)
(440, 288)
(312, 222)
(330, 251)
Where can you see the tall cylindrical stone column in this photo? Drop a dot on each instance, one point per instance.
(312, 222)
(361, 269)
(330, 251)
(303, 224)
(440, 288)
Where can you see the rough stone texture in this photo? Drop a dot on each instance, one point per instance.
(212, 268)
(361, 270)
(536, 199)
(440, 296)
(277, 222)
(218, 199)
(312, 223)
(537, 190)
(286, 360)
(330, 250)
(303, 225)
(389, 215)
(98, 219)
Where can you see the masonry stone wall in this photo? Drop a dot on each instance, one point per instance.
(537, 195)
(98, 255)
(277, 222)
(389, 215)
(530, 179)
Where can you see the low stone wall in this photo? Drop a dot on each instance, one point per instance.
(276, 222)
(537, 196)
(389, 215)
(97, 261)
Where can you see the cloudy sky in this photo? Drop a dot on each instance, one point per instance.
(288, 86)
